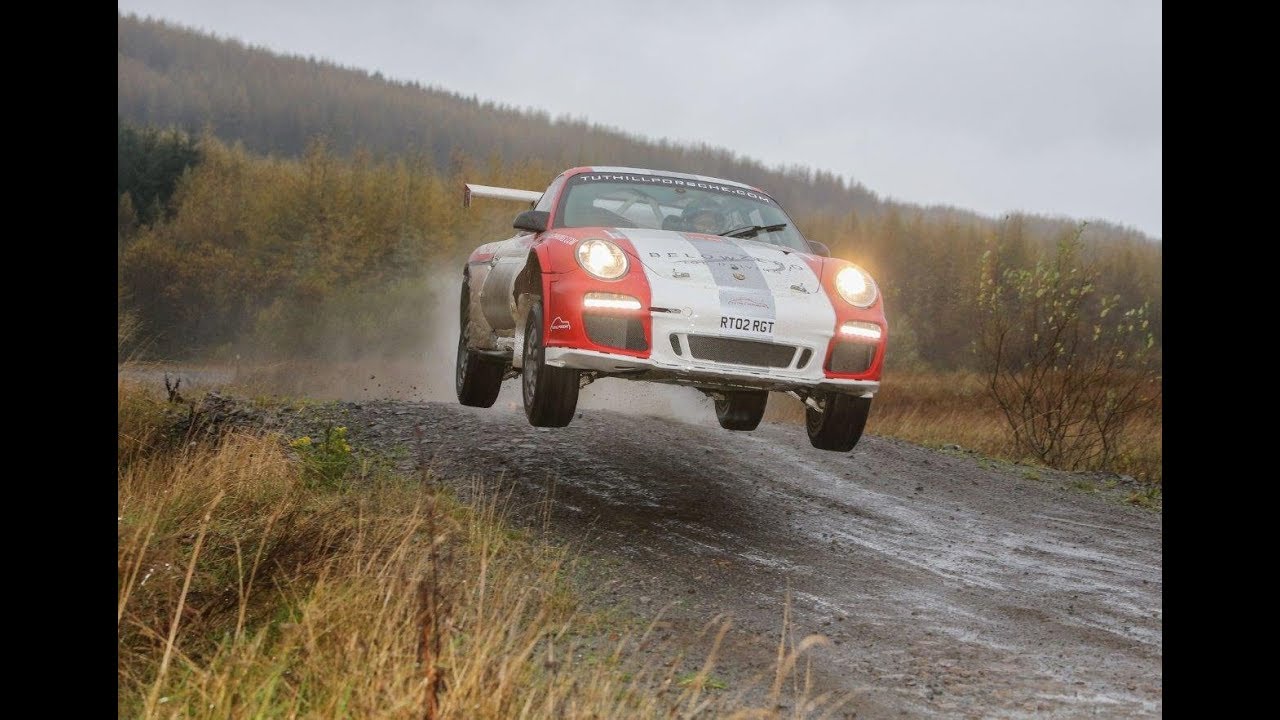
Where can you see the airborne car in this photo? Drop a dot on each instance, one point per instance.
(672, 278)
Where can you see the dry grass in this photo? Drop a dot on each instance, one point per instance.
(242, 593)
(937, 409)
(371, 378)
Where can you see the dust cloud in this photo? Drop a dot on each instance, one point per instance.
(668, 402)
(413, 360)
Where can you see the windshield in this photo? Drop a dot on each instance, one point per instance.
(658, 202)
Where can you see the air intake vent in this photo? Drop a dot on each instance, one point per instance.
(615, 331)
(675, 344)
(741, 352)
(851, 357)
(805, 354)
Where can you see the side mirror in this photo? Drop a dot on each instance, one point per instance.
(820, 248)
(532, 220)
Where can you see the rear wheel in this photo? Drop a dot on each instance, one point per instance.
(741, 409)
(840, 425)
(476, 377)
(550, 393)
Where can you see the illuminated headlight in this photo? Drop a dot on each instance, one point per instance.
(610, 301)
(861, 331)
(602, 259)
(856, 286)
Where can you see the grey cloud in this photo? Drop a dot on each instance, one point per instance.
(1051, 107)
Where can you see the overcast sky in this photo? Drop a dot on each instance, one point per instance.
(994, 106)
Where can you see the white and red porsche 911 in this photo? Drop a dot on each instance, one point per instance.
(672, 278)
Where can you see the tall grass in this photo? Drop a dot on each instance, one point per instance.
(243, 592)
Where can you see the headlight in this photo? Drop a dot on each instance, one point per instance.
(856, 286)
(602, 259)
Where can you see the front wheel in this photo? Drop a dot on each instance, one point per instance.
(550, 393)
(839, 426)
(741, 409)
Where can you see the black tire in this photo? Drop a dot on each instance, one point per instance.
(550, 393)
(741, 409)
(477, 378)
(840, 427)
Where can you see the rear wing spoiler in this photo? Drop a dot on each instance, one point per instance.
(485, 191)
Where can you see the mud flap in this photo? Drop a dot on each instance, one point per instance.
(523, 303)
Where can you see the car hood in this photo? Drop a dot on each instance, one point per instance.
(725, 262)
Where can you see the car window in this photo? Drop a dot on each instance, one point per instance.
(549, 197)
(624, 200)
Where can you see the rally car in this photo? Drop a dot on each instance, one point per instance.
(672, 278)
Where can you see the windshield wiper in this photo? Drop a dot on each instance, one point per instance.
(750, 231)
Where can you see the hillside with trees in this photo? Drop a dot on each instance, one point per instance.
(263, 196)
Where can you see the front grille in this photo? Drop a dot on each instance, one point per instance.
(741, 352)
(851, 357)
(615, 331)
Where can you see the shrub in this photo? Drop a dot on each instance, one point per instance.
(325, 462)
(1068, 367)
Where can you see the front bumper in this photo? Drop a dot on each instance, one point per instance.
(656, 344)
(706, 375)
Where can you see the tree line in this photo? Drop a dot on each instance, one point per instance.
(170, 76)
(331, 253)
(287, 192)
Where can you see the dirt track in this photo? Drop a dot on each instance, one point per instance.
(949, 586)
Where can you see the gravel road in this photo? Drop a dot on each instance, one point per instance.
(949, 585)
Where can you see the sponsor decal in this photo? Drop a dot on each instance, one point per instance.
(739, 276)
(703, 258)
(765, 265)
(729, 322)
(775, 266)
(559, 323)
(751, 302)
(561, 238)
(676, 182)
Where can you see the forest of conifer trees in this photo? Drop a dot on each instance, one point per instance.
(264, 197)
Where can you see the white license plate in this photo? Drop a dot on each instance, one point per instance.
(741, 324)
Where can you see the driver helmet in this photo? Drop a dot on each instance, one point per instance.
(704, 216)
